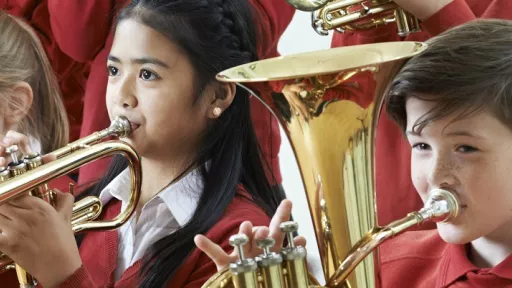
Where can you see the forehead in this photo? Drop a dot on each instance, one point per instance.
(482, 122)
(134, 39)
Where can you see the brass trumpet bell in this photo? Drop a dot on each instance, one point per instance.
(29, 175)
(354, 15)
(328, 106)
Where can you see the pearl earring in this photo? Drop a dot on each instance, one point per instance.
(217, 111)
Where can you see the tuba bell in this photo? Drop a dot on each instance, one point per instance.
(353, 15)
(29, 175)
(332, 133)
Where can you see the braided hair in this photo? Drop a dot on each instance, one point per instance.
(216, 35)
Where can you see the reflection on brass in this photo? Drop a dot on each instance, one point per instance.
(355, 15)
(329, 115)
(29, 175)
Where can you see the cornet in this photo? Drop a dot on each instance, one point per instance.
(331, 130)
(30, 175)
(353, 15)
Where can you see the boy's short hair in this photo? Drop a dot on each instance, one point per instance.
(465, 69)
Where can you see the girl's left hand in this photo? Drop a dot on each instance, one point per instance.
(422, 9)
(222, 259)
(39, 237)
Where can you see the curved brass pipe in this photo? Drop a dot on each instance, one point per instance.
(355, 15)
(35, 177)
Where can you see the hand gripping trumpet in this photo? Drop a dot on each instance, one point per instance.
(354, 15)
(29, 175)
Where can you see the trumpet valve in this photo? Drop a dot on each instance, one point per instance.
(16, 167)
(294, 258)
(244, 271)
(13, 152)
(270, 264)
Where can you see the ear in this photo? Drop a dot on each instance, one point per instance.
(221, 99)
(20, 100)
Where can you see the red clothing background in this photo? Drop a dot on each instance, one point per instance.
(421, 259)
(99, 251)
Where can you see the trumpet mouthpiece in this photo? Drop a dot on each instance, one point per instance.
(120, 126)
(441, 206)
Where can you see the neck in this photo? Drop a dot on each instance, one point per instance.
(158, 174)
(489, 251)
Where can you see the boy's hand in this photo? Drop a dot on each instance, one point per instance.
(422, 9)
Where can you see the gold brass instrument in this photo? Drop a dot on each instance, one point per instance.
(29, 175)
(353, 15)
(330, 124)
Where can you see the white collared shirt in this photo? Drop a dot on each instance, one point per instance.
(169, 210)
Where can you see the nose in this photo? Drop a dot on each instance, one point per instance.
(442, 173)
(125, 95)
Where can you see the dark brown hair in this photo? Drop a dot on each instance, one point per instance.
(465, 70)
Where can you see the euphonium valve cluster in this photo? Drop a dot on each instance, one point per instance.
(288, 269)
(271, 269)
(354, 15)
(28, 174)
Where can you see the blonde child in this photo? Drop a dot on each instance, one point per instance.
(30, 98)
(30, 102)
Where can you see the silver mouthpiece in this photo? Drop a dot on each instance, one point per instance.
(441, 206)
(120, 126)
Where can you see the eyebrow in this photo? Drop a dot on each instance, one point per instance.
(463, 133)
(141, 61)
(454, 133)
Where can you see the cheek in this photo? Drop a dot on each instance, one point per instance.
(109, 101)
(419, 175)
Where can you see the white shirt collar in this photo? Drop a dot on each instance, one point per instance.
(181, 198)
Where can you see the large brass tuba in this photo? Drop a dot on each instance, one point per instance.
(353, 15)
(331, 129)
(29, 175)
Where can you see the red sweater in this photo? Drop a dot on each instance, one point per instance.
(99, 251)
(421, 259)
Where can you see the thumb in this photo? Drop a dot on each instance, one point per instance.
(214, 251)
(64, 204)
(49, 158)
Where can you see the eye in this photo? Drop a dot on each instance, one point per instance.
(466, 149)
(148, 75)
(421, 146)
(112, 71)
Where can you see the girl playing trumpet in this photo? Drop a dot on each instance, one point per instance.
(202, 169)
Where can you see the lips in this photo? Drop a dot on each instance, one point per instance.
(134, 126)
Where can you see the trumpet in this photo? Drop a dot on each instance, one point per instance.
(29, 175)
(354, 15)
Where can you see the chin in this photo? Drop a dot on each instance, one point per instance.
(453, 234)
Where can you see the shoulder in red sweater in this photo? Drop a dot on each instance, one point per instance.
(421, 259)
(99, 251)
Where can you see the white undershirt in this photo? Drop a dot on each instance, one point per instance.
(162, 215)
